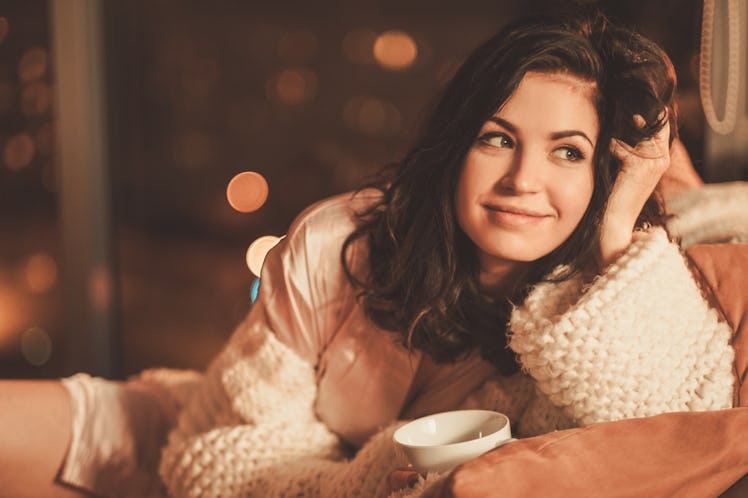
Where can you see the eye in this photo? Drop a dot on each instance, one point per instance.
(499, 140)
(568, 153)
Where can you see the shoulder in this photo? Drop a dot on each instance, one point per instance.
(313, 246)
(327, 223)
(341, 207)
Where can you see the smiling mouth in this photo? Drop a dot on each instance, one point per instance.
(511, 216)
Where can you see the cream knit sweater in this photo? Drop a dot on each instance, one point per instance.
(711, 213)
(637, 341)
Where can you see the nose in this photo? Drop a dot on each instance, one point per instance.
(524, 175)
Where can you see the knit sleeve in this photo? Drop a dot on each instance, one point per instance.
(709, 214)
(250, 430)
(637, 341)
(252, 412)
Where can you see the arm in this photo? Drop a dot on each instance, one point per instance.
(642, 166)
(639, 341)
(251, 428)
(677, 454)
(252, 411)
(259, 436)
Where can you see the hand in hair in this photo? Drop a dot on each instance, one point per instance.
(642, 166)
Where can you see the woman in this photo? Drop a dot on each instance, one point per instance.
(519, 202)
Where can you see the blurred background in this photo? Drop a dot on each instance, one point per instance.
(122, 123)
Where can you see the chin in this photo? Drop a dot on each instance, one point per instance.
(516, 253)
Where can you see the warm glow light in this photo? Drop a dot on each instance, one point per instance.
(395, 50)
(372, 116)
(258, 250)
(19, 151)
(33, 64)
(36, 346)
(13, 310)
(247, 191)
(40, 273)
(100, 288)
(35, 98)
(294, 86)
(358, 46)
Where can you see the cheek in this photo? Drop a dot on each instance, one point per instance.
(573, 196)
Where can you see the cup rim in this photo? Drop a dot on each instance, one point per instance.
(398, 433)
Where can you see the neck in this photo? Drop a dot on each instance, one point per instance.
(500, 281)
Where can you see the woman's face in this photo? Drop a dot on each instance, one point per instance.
(527, 180)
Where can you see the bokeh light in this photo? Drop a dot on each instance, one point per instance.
(293, 86)
(258, 250)
(247, 191)
(372, 116)
(35, 98)
(13, 311)
(40, 273)
(33, 64)
(19, 151)
(395, 50)
(358, 45)
(100, 288)
(36, 346)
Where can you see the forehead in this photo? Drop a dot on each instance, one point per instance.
(549, 102)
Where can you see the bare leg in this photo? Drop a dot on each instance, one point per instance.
(35, 430)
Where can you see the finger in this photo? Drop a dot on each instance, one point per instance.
(663, 136)
(620, 149)
(402, 479)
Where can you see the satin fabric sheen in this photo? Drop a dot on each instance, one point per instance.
(366, 377)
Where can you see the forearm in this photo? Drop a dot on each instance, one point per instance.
(253, 409)
(639, 341)
(364, 476)
(277, 461)
(244, 460)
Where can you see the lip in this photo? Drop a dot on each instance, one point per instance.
(514, 216)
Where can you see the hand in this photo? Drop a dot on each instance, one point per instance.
(401, 479)
(641, 169)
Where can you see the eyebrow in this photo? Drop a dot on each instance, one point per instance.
(554, 136)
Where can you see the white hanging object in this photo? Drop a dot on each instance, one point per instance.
(725, 125)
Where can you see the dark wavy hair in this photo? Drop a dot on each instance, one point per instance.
(423, 270)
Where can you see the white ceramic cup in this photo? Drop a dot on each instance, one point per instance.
(439, 442)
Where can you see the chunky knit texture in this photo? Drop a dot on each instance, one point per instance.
(638, 340)
(712, 213)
